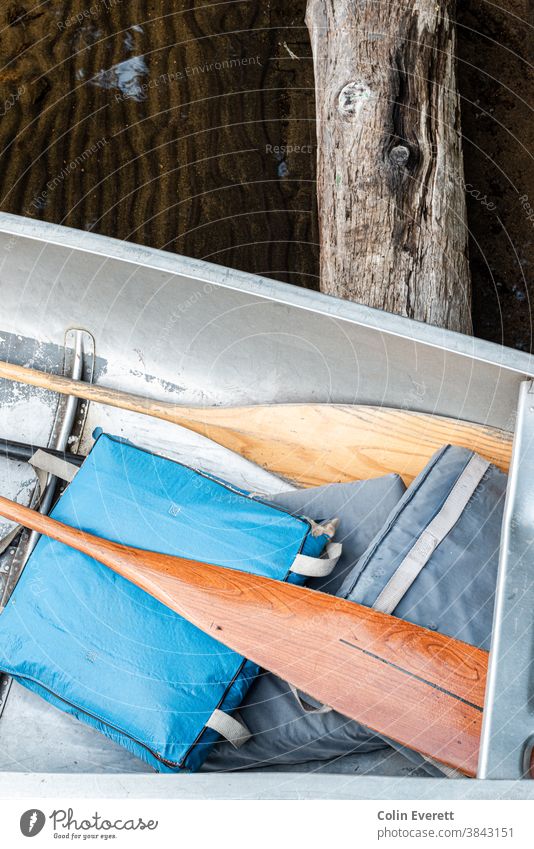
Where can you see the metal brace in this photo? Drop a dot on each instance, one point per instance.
(79, 360)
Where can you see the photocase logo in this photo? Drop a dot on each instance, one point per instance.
(32, 822)
(65, 824)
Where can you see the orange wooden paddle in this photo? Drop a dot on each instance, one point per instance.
(420, 688)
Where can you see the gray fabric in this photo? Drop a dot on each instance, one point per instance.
(454, 591)
(433, 535)
(362, 507)
(283, 732)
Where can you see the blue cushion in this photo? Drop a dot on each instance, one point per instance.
(103, 650)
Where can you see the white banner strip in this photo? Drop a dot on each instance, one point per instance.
(230, 824)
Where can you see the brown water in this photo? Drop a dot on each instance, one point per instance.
(190, 126)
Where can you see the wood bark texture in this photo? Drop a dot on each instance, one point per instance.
(390, 171)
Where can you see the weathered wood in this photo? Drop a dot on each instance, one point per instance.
(420, 688)
(363, 441)
(390, 175)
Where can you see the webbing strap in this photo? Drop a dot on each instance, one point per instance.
(306, 706)
(232, 728)
(448, 771)
(43, 464)
(318, 567)
(55, 466)
(422, 550)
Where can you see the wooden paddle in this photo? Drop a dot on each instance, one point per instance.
(309, 444)
(417, 687)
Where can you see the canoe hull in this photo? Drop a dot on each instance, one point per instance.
(186, 331)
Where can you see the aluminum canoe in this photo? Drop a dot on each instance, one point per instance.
(184, 330)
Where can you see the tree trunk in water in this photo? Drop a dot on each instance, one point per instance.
(390, 171)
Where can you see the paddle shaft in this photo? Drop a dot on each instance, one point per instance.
(415, 686)
(310, 444)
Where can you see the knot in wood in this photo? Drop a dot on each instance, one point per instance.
(399, 155)
(352, 97)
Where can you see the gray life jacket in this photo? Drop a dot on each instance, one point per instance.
(432, 561)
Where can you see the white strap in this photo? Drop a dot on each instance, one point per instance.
(318, 567)
(304, 705)
(44, 464)
(55, 466)
(232, 728)
(448, 771)
(421, 552)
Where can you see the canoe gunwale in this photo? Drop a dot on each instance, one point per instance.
(266, 288)
(505, 745)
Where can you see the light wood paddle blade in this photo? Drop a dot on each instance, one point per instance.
(310, 444)
(314, 444)
(415, 686)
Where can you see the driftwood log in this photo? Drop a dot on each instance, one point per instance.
(390, 171)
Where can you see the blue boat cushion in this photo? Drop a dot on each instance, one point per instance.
(284, 730)
(99, 647)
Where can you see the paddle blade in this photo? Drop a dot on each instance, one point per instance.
(314, 444)
(417, 687)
